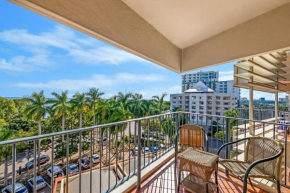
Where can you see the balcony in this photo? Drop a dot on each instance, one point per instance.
(138, 155)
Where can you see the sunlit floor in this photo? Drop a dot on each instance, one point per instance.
(164, 181)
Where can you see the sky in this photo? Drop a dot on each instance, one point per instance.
(37, 54)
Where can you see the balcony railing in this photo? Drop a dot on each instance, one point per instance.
(126, 148)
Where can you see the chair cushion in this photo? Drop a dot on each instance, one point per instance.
(238, 169)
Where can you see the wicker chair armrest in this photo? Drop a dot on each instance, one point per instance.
(233, 142)
(261, 161)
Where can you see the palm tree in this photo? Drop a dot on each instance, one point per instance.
(123, 98)
(148, 107)
(93, 97)
(37, 110)
(5, 151)
(245, 105)
(159, 102)
(103, 109)
(80, 104)
(176, 109)
(233, 112)
(137, 105)
(60, 107)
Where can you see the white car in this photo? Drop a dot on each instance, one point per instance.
(145, 150)
(96, 158)
(56, 170)
(162, 146)
(19, 188)
(40, 183)
(135, 151)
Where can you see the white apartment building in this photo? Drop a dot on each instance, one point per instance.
(211, 80)
(203, 100)
(228, 87)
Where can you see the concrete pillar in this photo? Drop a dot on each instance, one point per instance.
(276, 107)
(251, 103)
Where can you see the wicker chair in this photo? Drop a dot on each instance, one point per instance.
(194, 137)
(191, 136)
(263, 159)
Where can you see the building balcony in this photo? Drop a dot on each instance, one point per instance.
(138, 155)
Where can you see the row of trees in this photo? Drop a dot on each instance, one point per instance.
(36, 114)
(84, 108)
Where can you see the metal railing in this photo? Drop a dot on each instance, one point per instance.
(125, 148)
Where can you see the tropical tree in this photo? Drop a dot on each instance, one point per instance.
(261, 105)
(60, 107)
(137, 105)
(176, 109)
(234, 113)
(103, 110)
(123, 98)
(79, 103)
(282, 107)
(7, 111)
(5, 151)
(121, 114)
(93, 97)
(37, 109)
(245, 105)
(159, 102)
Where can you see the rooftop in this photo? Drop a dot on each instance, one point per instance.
(199, 87)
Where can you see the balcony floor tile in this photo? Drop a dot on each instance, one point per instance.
(164, 181)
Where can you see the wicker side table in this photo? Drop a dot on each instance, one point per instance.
(199, 164)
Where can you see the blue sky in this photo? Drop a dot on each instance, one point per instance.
(37, 53)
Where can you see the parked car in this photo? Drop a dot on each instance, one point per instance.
(148, 134)
(56, 170)
(29, 164)
(85, 162)
(43, 159)
(135, 151)
(105, 141)
(159, 135)
(162, 146)
(96, 158)
(72, 168)
(145, 150)
(40, 183)
(154, 149)
(19, 188)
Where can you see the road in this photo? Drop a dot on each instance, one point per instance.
(21, 159)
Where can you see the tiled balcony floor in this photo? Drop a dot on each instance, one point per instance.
(164, 181)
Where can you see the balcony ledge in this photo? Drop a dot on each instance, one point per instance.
(131, 184)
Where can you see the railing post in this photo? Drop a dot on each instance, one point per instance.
(139, 157)
(228, 137)
(13, 167)
(176, 142)
(176, 134)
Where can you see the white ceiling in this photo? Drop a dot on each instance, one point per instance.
(192, 21)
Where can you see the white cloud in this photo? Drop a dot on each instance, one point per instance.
(226, 75)
(149, 92)
(102, 55)
(174, 89)
(96, 80)
(45, 48)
